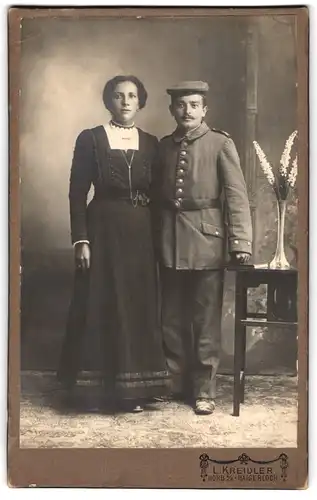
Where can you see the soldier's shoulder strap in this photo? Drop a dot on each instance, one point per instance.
(218, 131)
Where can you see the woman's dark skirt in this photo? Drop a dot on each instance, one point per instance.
(115, 303)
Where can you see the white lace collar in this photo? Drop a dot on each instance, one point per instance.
(122, 137)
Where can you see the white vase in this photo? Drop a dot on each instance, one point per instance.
(280, 261)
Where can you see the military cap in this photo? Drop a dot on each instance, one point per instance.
(187, 86)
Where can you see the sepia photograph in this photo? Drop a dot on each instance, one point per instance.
(158, 168)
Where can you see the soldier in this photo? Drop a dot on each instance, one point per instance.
(202, 202)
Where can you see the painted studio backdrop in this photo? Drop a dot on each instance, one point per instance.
(250, 66)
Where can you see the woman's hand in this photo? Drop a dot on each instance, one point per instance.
(82, 256)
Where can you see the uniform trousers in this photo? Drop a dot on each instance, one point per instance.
(191, 323)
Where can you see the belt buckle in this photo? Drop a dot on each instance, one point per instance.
(144, 200)
(140, 198)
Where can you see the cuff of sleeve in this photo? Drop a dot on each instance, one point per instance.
(80, 241)
(236, 245)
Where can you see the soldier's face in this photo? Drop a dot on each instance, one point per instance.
(188, 110)
(125, 102)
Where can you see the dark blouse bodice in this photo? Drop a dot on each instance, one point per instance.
(113, 167)
(94, 163)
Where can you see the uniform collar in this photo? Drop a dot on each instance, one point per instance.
(192, 135)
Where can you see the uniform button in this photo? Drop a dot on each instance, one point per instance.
(217, 232)
(179, 191)
(182, 162)
(181, 171)
(177, 203)
(249, 243)
(180, 181)
(180, 200)
(185, 144)
(236, 242)
(183, 153)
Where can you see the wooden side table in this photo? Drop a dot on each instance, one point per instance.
(281, 311)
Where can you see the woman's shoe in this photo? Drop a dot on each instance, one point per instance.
(131, 406)
(137, 409)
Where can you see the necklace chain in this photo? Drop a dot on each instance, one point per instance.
(134, 200)
(129, 164)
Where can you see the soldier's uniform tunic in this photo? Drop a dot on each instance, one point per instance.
(203, 205)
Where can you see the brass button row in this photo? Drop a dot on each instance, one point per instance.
(180, 176)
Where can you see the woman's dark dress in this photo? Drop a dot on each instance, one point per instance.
(116, 300)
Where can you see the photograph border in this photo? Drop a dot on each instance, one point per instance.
(150, 468)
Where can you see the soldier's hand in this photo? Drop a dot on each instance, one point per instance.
(82, 256)
(242, 257)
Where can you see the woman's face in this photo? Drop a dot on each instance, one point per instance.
(125, 102)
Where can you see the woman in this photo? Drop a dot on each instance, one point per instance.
(115, 293)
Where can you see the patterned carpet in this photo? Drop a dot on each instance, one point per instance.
(268, 418)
